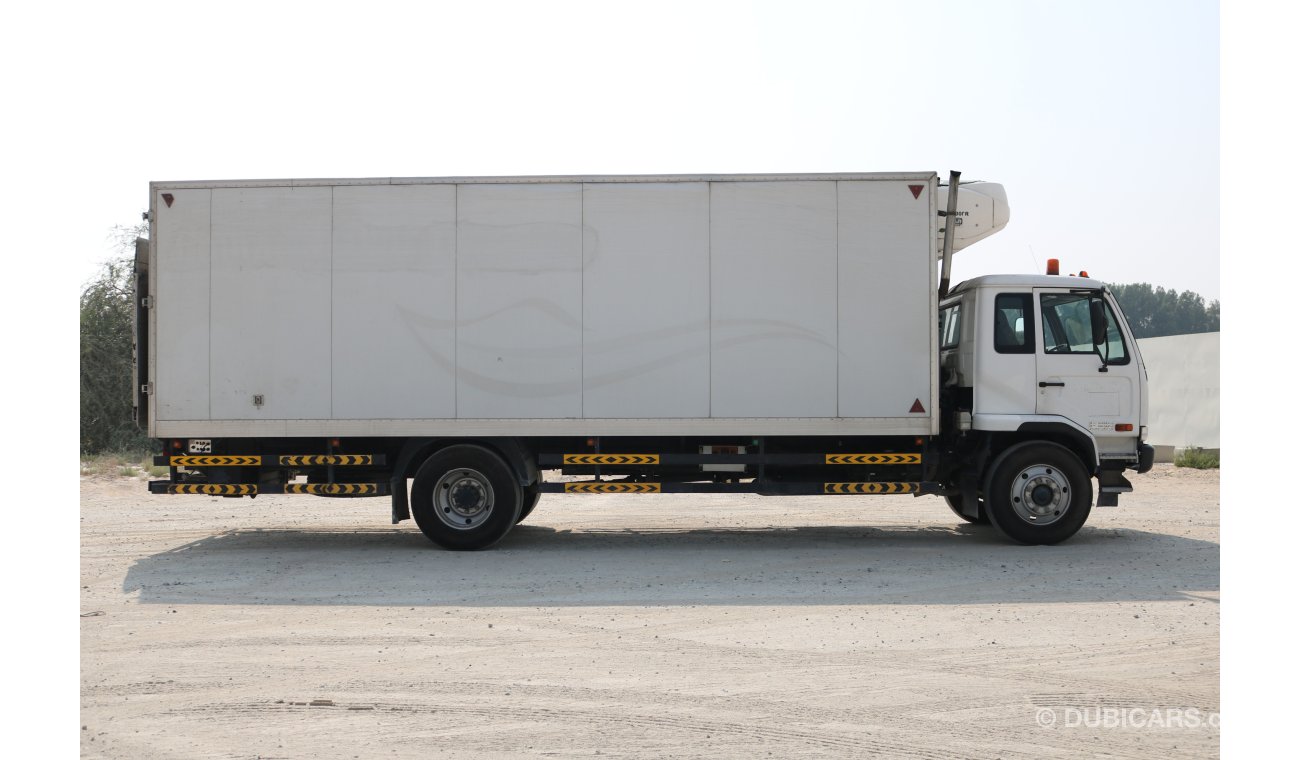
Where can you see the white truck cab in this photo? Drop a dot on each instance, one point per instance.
(1042, 358)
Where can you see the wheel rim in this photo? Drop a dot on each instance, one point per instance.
(463, 499)
(1040, 494)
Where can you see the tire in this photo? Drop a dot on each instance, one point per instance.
(465, 498)
(532, 494)
(955, 503)
(1038, 493)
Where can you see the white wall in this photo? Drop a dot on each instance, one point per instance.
(1184, 383)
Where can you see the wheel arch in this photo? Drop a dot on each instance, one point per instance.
(513, 451)
(1081, 443)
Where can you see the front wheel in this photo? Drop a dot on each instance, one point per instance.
(1038, 493)
(465, 497)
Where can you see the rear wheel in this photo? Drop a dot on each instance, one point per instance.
(1039, 493)
(955, 503)
(465, 497)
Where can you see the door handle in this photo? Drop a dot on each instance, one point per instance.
(1048, 385)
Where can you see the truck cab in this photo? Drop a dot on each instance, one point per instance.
(1032, 362)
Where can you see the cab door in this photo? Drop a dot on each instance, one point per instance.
(1093, 384)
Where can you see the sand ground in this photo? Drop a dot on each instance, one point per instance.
(647, 626)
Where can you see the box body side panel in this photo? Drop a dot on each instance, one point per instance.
(646, 300)
(773, 293)
(885, 312)
(271, 322)
(394, 291)
(184, 231)
(519, 301)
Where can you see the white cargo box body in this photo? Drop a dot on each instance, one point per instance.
(647, 305)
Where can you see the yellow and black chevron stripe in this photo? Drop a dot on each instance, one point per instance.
(612, 488)
(216, 461)
(214, 489)
(332, 489)
(873, 459)
(611, 459)
(872, 487)
(313, 460)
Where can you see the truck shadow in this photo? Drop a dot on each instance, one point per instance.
(537, 566)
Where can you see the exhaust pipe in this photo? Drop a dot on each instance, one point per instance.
(950, 216)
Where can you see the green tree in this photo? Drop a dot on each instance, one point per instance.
(107, 313)
(1155, 312)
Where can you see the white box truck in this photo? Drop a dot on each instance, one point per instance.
(446, 340)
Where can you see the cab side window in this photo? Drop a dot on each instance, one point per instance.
(950, 327)
(1013, 323)
(1067, 328)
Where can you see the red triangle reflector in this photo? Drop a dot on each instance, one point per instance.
(168, 198)
(916, 190)
(916, 408)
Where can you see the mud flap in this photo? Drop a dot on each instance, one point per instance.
(401, 505)
(971, 477)
(1111, 484)
(970, 502)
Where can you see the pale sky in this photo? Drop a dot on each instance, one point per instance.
(1101, 120)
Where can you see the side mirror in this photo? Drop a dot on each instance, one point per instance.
(1097, 310)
